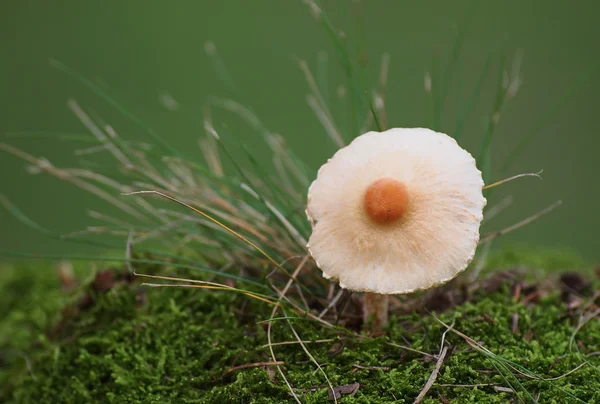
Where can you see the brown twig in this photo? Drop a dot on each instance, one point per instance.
(515, 324)
(406, 348)
(517, 292)
(384, 368)
(319, 341)
(252, 365)
(433, 376)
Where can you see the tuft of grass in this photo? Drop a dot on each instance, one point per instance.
(261, 201)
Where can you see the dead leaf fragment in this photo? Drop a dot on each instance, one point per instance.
(346, 390)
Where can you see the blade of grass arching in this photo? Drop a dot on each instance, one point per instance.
(455, 55)
(427, 99)
(514, 177)
(468, 106)
(228, 215)
(66, 137)
(534, 376)
(196, 283)
(547, 118)
(223, 288)
(495, 359)
(114, 103)
(60, 257)
(377, 98)
(272, 352)
(106, 182)
(325, 121)
(229, 230)
(323, 75)
(248, 116)
(270, 324)
(205, 173)
(278, 218)
(193, 283)
(276, 189)
(171, 230)
(581, 323)
(106, 218)
(253, 233)
(282, 298)
(46, 167)
(507, 375)
(211, 51)
(244, 112)
(484, 159)
(280, 152)
(506, 364)
(436, 90)
(280, 318)
(347, 65)
(487, 238)
(319, 106)
(292, 231)
(362, 58)
(354, 104)
(178, 259)
(245, 178)
(100, 168)
(312, 359)
(484, 156)
(218, 223)
(123, 151)
(308, 317)
(460, 96)
(223, 244)
(107, 136)
(26, 220)
(430, 84)
(219, 184)
(374, 113)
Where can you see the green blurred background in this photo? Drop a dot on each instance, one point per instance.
(141, 49)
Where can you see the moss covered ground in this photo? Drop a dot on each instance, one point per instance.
(518, 336)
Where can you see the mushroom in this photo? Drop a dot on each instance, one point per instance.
(395, 212)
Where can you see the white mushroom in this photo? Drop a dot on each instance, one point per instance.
(395, 212)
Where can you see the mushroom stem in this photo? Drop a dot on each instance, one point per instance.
(375, 311)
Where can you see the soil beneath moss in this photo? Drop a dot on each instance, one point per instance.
(517, 336)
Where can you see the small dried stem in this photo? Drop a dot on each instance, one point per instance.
(522, 223)
(433, 376)
(252, 365)
(514, 177)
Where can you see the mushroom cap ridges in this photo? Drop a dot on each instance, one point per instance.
(434, 239)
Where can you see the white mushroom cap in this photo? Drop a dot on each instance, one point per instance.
(396, 211)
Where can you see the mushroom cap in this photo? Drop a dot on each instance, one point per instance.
(396, 211)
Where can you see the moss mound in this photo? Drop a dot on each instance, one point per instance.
(112, 340)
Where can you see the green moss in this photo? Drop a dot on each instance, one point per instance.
(134, 344)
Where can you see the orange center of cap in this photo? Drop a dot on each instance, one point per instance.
(386, 201)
